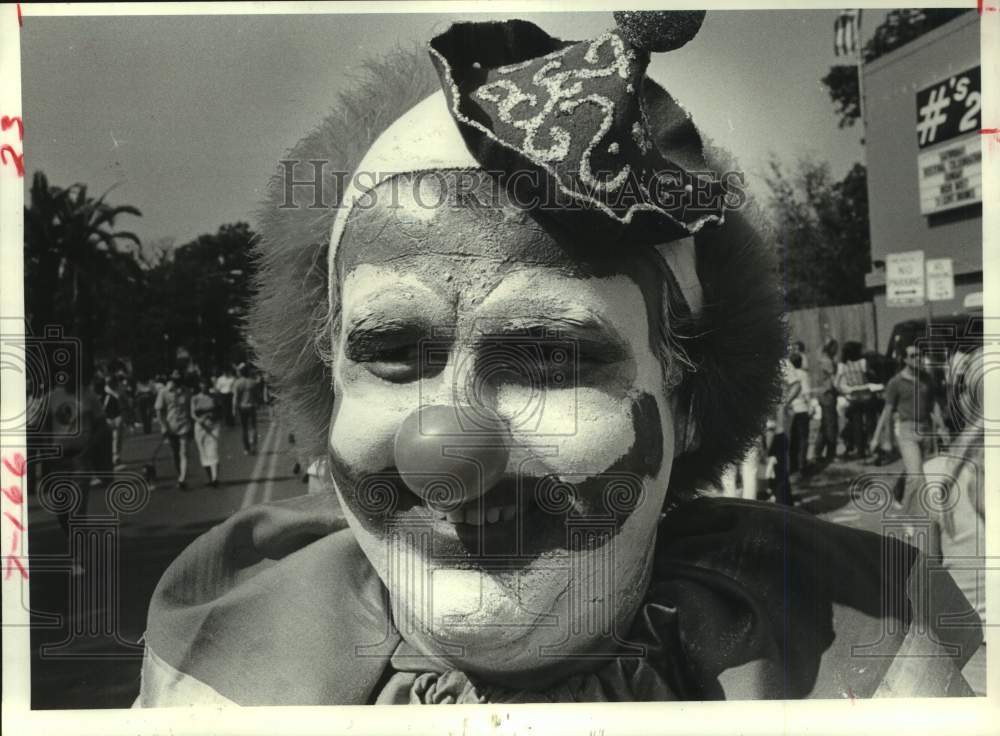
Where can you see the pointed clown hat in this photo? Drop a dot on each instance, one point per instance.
(566, 126)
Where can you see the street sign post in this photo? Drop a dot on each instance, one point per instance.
(940, 280)
(904, 283)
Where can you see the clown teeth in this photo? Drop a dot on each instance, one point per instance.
(473, 517)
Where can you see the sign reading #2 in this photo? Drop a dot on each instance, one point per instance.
(949, 109)
(949, 164)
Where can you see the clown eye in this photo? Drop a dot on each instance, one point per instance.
(397, 365)
(400, 365)
(392, 354)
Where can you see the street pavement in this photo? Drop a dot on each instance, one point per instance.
(82, 666)
(78, 662)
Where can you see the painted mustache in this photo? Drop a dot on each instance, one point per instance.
(523, 512)
(451, 456)
(518, 519)
(607, 495)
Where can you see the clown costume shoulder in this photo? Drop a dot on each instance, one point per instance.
(748, 600)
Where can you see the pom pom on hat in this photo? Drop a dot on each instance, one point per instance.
(659, 30)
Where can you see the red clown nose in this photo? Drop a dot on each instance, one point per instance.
(450, 456)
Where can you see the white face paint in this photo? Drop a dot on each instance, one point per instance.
(564, 358)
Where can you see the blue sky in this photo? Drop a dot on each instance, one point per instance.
(188, 115)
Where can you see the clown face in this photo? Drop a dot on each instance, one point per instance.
(502, 435)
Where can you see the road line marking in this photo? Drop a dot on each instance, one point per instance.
(269, 484)
(251, 491)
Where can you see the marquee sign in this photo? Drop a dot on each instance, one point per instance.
(949, 163)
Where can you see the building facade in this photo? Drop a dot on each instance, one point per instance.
(924, 157)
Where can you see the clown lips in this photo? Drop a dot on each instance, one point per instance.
(455, 482)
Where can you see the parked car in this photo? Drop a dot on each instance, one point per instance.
(948, 333)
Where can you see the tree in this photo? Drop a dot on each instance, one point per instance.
(122, 299)
(899, 28)
(196, 297)
(72, 254)
(842, 84)
(822, 231)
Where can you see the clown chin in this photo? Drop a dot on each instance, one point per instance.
(500, 623)
(467, 606)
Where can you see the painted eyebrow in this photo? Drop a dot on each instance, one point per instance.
(379, 330)
(384, 311)
(522, 323)
(373, 326)
(573, 324)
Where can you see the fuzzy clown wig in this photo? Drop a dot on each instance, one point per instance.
(721, 336)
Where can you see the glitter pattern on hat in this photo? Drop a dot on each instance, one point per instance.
(571, 115)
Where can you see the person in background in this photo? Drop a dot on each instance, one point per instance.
(126, 397)
(961, 515)
(825, 449)
(852, 383)
(297, 462)
(799, 406)
(799, 348)
(959, 386)
(748, 470)
(173, 410)
(145, 397)
(112, 402)
(246, 397)
(75, 421)
(101, 449)
(224, 387)
(317, 475)
(204, 412)
(778, 446)
(910, 400)
(267, 397)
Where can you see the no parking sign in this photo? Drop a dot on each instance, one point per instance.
(904, 283)
(940, 280)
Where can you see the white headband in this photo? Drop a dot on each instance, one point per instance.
(426, 138)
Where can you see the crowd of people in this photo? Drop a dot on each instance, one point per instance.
(930, 420)
(194, 407)
(848, 408)
(89, 421)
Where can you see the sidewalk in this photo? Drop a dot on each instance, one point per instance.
(850, 492)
